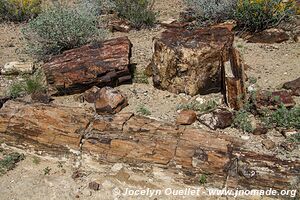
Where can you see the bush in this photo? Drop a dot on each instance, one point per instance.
(60, 28)
(283, 117)
(29, 85)
(212, 11)
(242, 121)
(257, 15)
(138, 12)
(19, 10)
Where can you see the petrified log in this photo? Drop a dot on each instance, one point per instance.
(190, 62)
(103, 64)
(134, 139)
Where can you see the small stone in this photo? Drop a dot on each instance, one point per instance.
(17, 68)
(117, 167)
(260, 131)
(268, 144)
(294, 86)
(92, 94)
(77, 174)
(245, 137)
(288, 146)
(94, 186)
(200, 100)
(219, 118)
(269, 36)
(186, 117)
(110, 101)
(40, 97)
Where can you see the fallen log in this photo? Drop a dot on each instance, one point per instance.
(103, 64)
(139, 140)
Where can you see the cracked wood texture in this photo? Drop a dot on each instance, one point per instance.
(139, 140)
(103, 64)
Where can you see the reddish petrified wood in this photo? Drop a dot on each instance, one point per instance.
(136, 140)
(103, 64)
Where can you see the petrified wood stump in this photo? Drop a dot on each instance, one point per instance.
(134, 139)
(103, 64)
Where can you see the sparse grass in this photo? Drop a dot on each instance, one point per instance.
(143, 110)
(47, 171)
(252, 80)
(202, 179)
(196, 106)
(36, 160)
(29, 85)
(10, 161)
(140, 77)
(295, 138)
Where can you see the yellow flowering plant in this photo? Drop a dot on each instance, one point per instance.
(257, 15)
(19, 10)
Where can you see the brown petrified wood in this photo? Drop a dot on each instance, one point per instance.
(139, 140)
(102, 64)
(186, 61)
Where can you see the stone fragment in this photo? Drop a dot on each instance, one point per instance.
(91, 95)
(94, 186)
(272, 100)
(294, 86)
(219, 118)
(110, 101)
(269, 36)
(186, 117)
(268, 144)
(17, 68)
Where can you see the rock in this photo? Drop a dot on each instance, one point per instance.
(294, 86)
(269, 36)
(78, 174)
(94, 186)
(288, 146)
(219, 118)
(268, 144)
(110, 101)
(41, 97)
(172, 23)
(272, 100)
(190, 62)
(3, 99)
(117, 167)
(91, 95)
(103, 64)
(260, 131)
(119, 25)
(186, 117)
(125, 138)
(17, 68)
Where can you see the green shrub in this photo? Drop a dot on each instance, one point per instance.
(29, 85)
(242, 121)
(200, 107)
(19, 10)
(9, 162)
(257, 15)
(138, 12)
(212, 11)
(283, 117)
(143, 110)
(60, 28)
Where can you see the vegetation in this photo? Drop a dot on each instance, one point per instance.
(202, 179)
(242, 121)
(200, 107)
(9, 162)
(143, 110)
(212, 11)
(36, 160)
(140, 77)
(47, 171)
(139, 12)
(61, 28)
(295, 138)
(28, 85)
(283, 117)
(19, 10)
(257, 15)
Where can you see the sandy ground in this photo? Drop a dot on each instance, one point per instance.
(271, 65)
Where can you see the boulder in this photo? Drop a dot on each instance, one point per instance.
(110, 101)
(294, 86)
(102, 64)
(91, 95)
(186, 117)
(17, 68)
(219, 118)
(189, 61)
(269, 36)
